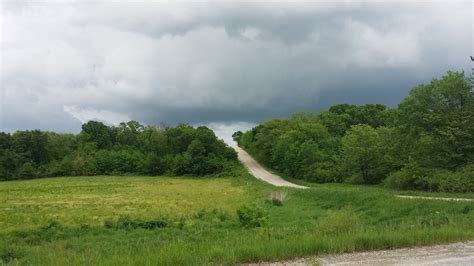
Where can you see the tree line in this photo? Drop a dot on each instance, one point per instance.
(425, 143)
(129, 148)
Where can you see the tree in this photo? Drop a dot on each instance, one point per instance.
(128, 133)
(436, 121)
(97, 133)
(27, 171)
(153, 165)
(32, 145)
(179, 138)
(362, 153)
(236, 136)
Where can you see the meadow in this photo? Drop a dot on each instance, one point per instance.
(110, 220)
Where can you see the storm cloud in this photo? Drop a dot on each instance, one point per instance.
(63, 63)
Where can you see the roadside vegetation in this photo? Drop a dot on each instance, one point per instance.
(425, 143)
(130, 148)
(225, 219)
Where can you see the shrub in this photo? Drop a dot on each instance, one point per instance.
(127, 223)
(251, 216)
(458, 181)
(154, 224)
(411, 176)
(181, 164)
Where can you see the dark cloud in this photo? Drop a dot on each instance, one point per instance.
(202, 63)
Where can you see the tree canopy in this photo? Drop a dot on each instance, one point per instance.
(426, 142)
(98, 149)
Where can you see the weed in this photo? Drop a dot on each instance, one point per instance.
(10, 253)
(251, 216)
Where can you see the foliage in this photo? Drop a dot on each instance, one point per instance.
(130, 148)
(127, 223)
(363, 153)
(424, 143)
(251, 216)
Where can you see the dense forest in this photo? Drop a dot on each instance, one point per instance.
(130, 148)
(426, 142)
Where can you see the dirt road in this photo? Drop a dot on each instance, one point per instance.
(261, 173)
(452, 254)
(433, 198)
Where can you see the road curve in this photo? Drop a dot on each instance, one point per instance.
(261, 173)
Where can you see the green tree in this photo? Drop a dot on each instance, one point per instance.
(362, 153)
(436, 122)
(32, 145)
(98, 133)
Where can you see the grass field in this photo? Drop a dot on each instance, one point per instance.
(59, 221)
(92, 200)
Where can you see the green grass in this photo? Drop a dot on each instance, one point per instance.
(91, 200)
(202, 223)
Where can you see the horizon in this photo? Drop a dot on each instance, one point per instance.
(222, 65)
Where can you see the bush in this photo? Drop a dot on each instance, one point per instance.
(458, 181)
(411, 176)
(181, 164)
(127, 223)
(251, 216)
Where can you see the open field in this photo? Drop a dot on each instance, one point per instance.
(61, 220)
(92, 200)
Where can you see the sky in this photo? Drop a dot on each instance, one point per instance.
(225, 64)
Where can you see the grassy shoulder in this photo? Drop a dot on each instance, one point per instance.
(61, 220)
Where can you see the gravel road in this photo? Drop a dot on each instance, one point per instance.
(461, 254)
(433, 198)
(261, 173)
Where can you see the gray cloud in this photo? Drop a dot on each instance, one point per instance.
(64, 63)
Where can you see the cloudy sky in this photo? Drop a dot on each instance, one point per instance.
(227, 64)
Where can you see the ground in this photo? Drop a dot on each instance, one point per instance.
(61, 220)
